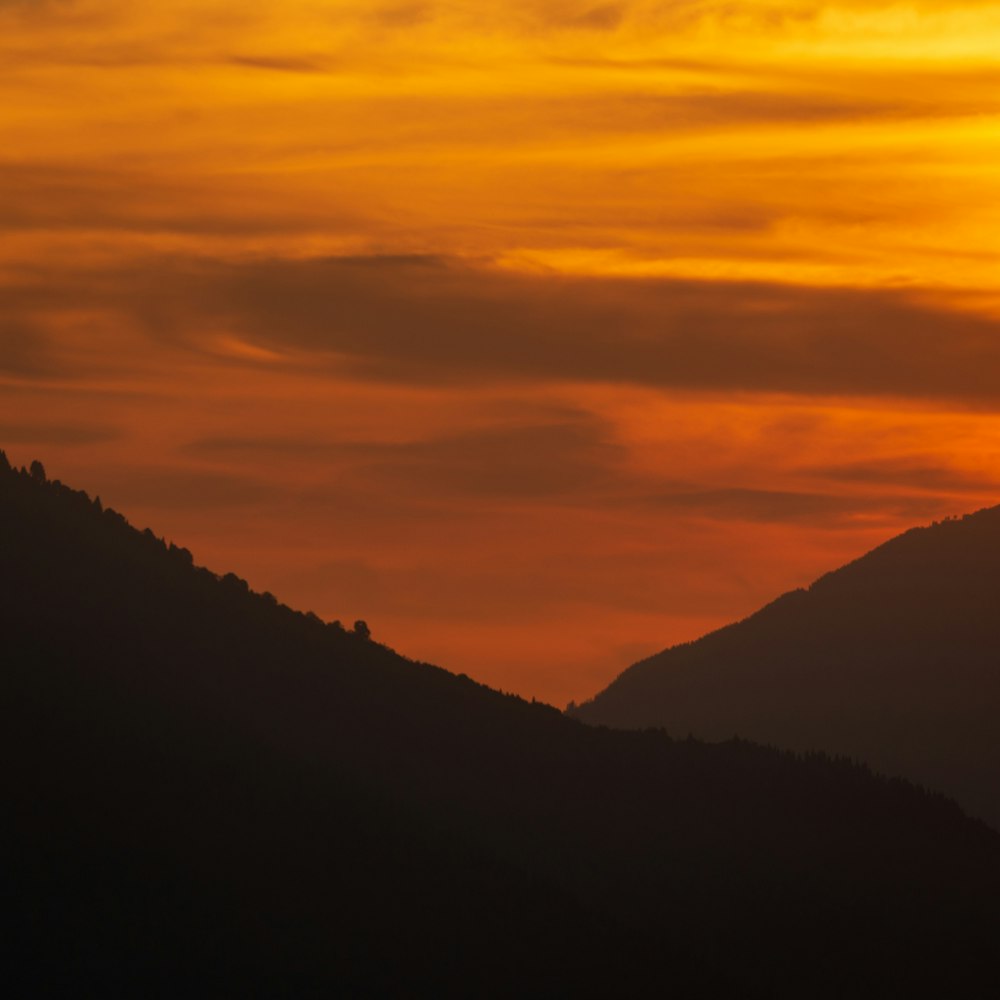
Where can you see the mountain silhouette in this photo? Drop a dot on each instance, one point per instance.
(893, 659)
(211, 794)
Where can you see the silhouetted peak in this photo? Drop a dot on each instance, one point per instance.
(890, 659)
(73, 515)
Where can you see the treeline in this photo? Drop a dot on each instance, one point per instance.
(118, 542)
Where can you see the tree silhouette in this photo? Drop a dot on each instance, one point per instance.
(361, 629)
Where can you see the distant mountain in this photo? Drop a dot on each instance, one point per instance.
(210, 794)
(893, 659)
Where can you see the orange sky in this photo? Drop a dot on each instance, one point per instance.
(540, 334)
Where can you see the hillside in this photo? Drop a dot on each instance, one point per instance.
(893, 659)
(211, 793)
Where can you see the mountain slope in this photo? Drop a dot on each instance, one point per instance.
(893, 659)
(212, 793)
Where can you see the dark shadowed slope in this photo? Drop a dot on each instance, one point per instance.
(210, 794)
(893, 659)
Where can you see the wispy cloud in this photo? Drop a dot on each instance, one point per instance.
(427, 320)
(580, 318)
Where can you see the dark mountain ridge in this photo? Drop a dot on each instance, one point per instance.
(211, 793)
(893, 659)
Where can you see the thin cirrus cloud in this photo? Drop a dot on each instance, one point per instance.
(46, 198)
(31, 433)
(186, 489)
(573, 460)
(24, 349)
(902, 470)
(574, 456)
(785, 506)
(702, 139)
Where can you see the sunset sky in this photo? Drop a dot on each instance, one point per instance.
(540, 334)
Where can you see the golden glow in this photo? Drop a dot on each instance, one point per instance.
(848, 142)
(733, 264)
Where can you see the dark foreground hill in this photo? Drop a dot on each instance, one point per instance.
(893, 659)
(209, 794)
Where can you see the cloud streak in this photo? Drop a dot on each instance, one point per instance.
(428, 320)
(569, 458)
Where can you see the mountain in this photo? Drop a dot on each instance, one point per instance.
(208, 793)
(893, 659)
